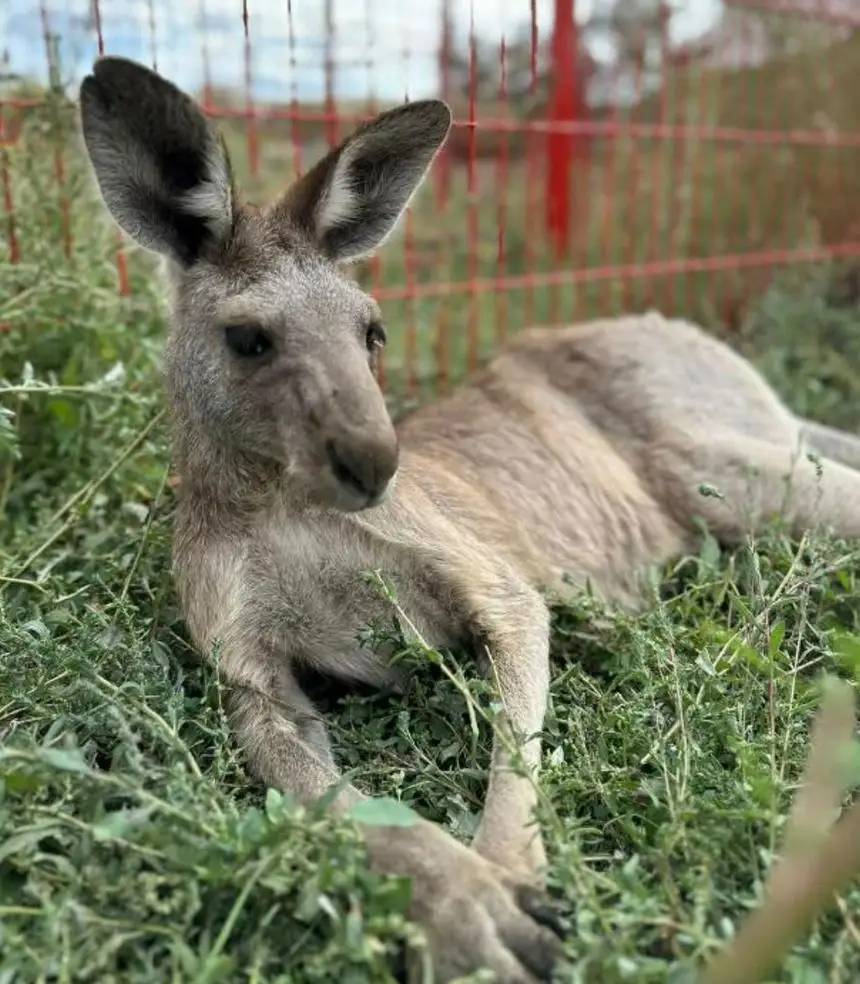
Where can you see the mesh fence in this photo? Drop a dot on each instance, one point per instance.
(606, 156)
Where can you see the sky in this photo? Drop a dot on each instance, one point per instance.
(380, 47)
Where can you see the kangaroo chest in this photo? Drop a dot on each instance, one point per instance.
(337, 605)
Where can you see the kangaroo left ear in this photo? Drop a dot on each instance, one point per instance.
(161, 168)
(351, 200)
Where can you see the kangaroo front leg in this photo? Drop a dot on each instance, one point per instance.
(475, 915)
(285, 741)
(517, 651)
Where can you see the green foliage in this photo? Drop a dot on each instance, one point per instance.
(133, 846)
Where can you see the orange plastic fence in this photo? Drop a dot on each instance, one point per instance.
(606, 156)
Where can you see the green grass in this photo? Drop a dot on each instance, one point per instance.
(133, 846)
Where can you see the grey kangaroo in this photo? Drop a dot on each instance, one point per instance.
(576, 455)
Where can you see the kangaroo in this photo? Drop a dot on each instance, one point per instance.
(576, 457)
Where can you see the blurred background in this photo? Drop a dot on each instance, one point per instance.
(609, 154)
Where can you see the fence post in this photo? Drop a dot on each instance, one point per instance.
(566, 104)
(443, 161)
(331, 127)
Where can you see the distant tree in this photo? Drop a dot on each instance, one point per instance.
(632, 30)
(523, 83)
(620, 48)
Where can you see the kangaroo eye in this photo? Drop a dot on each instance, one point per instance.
(248, 341)
(376, 337)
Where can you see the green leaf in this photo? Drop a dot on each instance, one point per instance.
(119, 823)
(709, 551)
(682, 974)
(274, 803)
(382, 811)
(849, 763)
(394, 896)
(750, 655)
(776, 637)
(846, 649)
(27, 841)
(20, 782)
(66, 760)
(38, 628)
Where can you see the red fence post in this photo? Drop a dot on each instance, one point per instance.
(6, 187)
(252, 131)
(443, 161)
(566, 105)
(331, 127)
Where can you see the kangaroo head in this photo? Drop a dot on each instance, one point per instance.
(272, 352)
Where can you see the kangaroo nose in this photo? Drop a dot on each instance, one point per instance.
(363, 469)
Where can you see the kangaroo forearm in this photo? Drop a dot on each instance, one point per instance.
(279, 756)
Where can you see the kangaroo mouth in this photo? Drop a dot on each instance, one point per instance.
(361, 482)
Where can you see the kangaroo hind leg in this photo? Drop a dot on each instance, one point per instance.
(756, 482)
(833, 443)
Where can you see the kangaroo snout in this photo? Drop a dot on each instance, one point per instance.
(363, 468)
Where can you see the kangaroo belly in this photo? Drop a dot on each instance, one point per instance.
(570, 499)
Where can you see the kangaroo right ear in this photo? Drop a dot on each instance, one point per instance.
(162, 170)
(351, 200)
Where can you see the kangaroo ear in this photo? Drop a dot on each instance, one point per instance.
(162, 170)
(351, 200)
